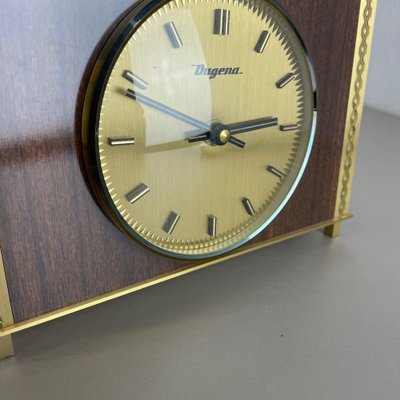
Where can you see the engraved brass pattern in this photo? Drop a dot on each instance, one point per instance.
(356, 100)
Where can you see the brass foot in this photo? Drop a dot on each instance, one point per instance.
(333, 231)
(6, 347)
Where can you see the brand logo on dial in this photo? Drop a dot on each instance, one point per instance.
(201, 69)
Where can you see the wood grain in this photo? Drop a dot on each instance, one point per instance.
(58, 247)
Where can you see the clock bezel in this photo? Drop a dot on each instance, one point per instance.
(109, 54)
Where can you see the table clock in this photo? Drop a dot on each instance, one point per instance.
(144, 141)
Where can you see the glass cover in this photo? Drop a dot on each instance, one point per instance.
(205, 124)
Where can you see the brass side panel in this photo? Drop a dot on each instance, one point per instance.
(355, 106)
(6, 347)
(6, 317)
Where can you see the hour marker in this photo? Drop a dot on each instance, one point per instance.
(173, 35)
(262, 41)
(288, 127)
(135, 79)
(121, 141)
(137, 193)
(285, 80)
(275, 171)
(171, 222)
(221, 21)
(248, 206)
(212, 225)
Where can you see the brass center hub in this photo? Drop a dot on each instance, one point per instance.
(220, 135)
(224, 136)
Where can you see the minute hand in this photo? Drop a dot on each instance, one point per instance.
(141, 98)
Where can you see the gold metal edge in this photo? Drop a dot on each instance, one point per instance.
(6, 347)
(362, 55)
(10, 329)
(6, 315)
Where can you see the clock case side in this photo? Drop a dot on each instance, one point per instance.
(362, 54)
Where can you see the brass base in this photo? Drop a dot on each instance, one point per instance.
(333, 231)
(329, 226)
(6, 347)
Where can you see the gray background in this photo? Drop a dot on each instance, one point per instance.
(310, 318)
(384, 80)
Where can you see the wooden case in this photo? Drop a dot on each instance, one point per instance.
(59, 251)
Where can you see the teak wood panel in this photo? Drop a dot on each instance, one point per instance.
(58, 246)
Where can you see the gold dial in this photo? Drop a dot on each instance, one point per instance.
(203, 119)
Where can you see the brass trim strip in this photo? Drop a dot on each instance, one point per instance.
(6, 347)
(355, 105)
(10, 329)
(6, 315)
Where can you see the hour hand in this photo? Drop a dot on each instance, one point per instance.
(199, 138)
(221, 134)
(252, 125)
(218, 135)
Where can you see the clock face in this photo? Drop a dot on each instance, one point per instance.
(205, 119)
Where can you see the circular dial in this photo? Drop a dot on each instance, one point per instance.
(205, 120)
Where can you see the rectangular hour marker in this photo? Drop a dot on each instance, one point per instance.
(288, 127)
(262, 41)
(171, 222)
(221, 22)
(137, 193)
(248, 206)
(173, 35)
(121, 141)
(275, 171)
(285, 80)
(135, 79)
(212, 225)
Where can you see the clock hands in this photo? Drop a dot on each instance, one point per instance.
(236, 128)
(141, 98)
(219, 134)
